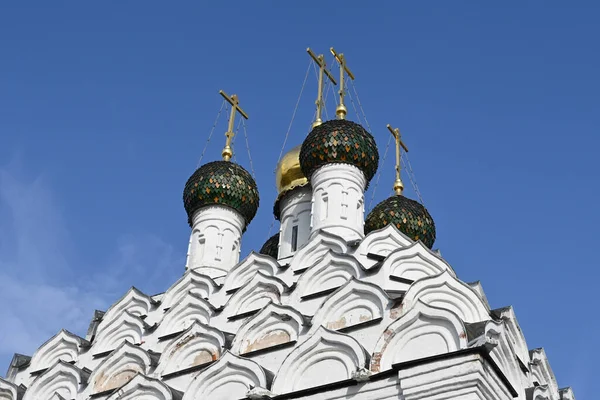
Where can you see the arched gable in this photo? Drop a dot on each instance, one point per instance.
(142, 387)
(541, 373)
(9, 391)
(113, 332)
(62, 346)
(243, 272)
(315, 249)
(542, 392)
(62, 378)
(351, 304)
(492, 334)
(325, 357)
(119, 367)
(273, 325)
(478, 288)
(422, 332)
(445, 291)
(192, 281)
(134, 302)
(566, 393)
(330, 272)
(255, 294)
(381, 243)
(183, 314)
(514, 334)
(231, 377)
(412, 263)
(199, 344)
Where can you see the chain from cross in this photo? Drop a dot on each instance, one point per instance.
(234, 101)
(398, 185)
(320, 61)
(341, 110)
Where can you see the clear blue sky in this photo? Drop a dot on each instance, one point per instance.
(105, 109)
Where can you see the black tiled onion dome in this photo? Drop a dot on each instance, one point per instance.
(339, 141)
(409, 216)
(271, 246)
(221, 183)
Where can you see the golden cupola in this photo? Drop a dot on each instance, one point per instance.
(288, 176)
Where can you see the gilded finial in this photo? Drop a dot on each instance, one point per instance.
(341, 110)
(398, 185)
(320, 60)
(234, 101)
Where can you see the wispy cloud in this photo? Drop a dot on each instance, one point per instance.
(41, 288)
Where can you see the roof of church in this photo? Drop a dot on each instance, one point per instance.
(330, 321)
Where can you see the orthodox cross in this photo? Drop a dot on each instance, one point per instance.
(234, 101)
(320, 60)
(341, 110)
(398, 185)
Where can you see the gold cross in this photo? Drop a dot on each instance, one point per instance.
(341, 110)
(233, 100)
(398, 185)
(320, 60)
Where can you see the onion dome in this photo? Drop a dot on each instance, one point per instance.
(271, 246)
(221, 183)
(339, 141)
(288, 176)
(409, 216)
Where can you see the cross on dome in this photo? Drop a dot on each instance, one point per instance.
(234, 101)
(341, 110)
(320, 61)
(398, 185)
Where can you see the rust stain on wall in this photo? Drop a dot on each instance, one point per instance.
(337, 324)
(270, 339)
(203, 357)
(104, 382)
(396, 310)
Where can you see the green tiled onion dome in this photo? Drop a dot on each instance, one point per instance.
(339, 141)
(409, 216)
(221, 183)
(271, 246)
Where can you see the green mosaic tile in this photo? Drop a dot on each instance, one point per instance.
(339, 141)
(222, 183)
(409, 216)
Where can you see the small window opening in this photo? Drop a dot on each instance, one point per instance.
(294, 237)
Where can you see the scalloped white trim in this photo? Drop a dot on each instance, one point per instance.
(422, 332)
(445, 291)
(324, 357)
(198, 345)
(273, 325)
(231, 377)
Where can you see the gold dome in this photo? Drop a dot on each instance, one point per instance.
(289, 174)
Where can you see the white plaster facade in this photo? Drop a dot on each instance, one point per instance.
(294, 228)
(215, 241)
(326, 325)
(338, 201)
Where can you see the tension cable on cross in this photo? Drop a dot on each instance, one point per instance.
(248, 148)
(294, 113)
(223, 105)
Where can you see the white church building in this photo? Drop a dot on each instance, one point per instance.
(337, 305)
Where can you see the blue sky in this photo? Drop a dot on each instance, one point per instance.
(105, 110)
